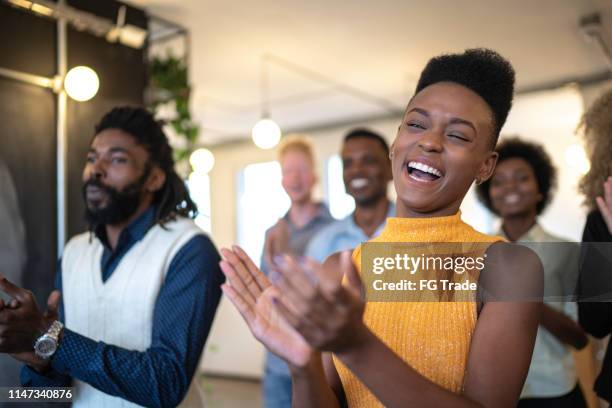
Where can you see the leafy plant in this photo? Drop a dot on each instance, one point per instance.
(169, 84)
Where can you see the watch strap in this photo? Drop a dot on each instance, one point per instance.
(55, 330)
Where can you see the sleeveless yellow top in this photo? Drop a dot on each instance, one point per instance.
(432, 337)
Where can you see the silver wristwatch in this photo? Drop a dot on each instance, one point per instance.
(47, 344)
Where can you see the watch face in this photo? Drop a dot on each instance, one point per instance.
(45, 347)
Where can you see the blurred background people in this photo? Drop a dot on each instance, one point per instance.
(12, 257)
(366, 173)
(518, 192)
(595, 287)
(291, 234)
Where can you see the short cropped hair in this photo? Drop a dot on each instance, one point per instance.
(481, 70)
(541, 163)
(296, 143)
(367, 134)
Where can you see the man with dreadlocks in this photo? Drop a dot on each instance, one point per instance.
(138, 291)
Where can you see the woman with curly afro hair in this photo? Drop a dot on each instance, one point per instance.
(595, 308)
(519, 190)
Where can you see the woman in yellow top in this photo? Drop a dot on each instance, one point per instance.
(344, 350)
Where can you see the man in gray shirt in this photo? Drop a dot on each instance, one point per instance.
(290, 235)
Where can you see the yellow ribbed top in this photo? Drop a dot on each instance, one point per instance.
(432, 337)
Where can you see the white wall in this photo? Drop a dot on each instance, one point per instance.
(547, 117)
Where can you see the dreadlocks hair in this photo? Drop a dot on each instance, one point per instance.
(481, 70)
(541, 163)
(173, 199)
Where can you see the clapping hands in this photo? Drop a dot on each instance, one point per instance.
(305, 308)
(254, 296)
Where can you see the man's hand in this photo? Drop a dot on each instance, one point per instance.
(21, 323)
(605, 203)
(52, 313)
(32, 360)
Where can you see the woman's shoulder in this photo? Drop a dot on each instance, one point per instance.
(509, 251)
(512, 272)
(471, 234)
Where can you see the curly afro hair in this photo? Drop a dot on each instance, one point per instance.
(481, 70)
(596, 128)
(534, 154)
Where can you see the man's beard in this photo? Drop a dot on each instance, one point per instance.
(371, 200)
(120, 204)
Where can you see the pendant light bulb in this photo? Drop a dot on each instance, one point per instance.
(266, 133)
(81, 83)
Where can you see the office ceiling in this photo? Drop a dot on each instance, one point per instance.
(371, 52)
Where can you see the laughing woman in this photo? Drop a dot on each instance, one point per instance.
(343, 349)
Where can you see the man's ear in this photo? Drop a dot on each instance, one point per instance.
(488, 167)
(156, 180)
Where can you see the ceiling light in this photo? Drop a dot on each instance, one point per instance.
(266, 133)
(81, 83)
(40, 9)
(202, 161)
(21, 3)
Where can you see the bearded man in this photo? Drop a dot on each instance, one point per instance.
(136, 295)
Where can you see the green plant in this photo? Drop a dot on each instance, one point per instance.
(169, 85)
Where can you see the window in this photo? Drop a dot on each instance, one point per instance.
(199, 189)
(340, 203)
(261, 202)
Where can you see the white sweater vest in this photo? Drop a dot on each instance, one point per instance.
(120, 311)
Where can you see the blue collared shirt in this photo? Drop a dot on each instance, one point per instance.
(341, 235)
(184, 311)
